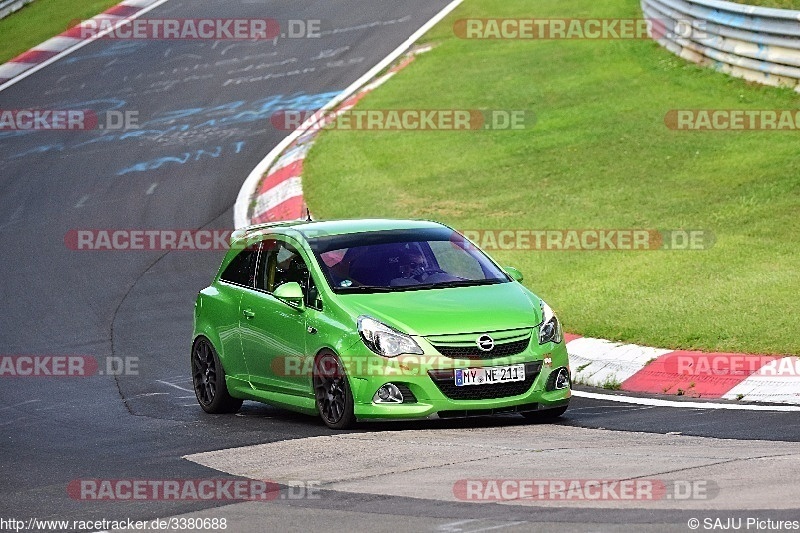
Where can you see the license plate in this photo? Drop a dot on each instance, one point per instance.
(490, 375)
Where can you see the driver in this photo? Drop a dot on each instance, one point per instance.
(413, 269)
(413, 265)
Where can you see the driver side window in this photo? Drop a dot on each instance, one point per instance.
(282, 263)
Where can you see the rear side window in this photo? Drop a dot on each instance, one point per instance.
(242, 270)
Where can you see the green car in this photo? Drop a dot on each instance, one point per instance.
(374, 319)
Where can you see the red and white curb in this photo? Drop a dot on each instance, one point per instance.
(729, 376)
(72, 39)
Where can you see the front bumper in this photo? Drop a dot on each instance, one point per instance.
(432, 400)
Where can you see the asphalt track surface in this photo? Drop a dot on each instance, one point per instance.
(205, 109)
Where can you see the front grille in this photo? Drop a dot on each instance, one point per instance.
(473, 352)
(445, 380)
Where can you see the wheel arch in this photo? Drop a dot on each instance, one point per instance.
(212, 336)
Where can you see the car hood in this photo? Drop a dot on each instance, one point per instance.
(477, 309)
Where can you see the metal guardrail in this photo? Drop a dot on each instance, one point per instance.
(758, 44)
(9, 6)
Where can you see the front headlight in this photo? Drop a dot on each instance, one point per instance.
(550, 330)
(384, 340)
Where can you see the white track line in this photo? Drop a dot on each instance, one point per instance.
(240, 208)
(655, 402)
(174, 386)
(80, 45)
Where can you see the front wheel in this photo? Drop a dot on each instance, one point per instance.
(208, 378)
(545, 415)
(332, 391)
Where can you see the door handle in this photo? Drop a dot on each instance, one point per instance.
(248, 314)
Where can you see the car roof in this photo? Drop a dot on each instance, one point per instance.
(311, 229)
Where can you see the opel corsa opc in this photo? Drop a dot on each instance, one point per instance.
(374, 319)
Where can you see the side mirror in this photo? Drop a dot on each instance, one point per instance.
(514, 273)
(291, 293)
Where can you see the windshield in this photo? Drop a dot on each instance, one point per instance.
(399, 260)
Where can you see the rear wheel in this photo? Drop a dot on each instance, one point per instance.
(208, 378)
(545, 415)
(332, 391)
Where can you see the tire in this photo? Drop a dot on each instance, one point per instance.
(546, 415)
(208, 378)
(332, 392)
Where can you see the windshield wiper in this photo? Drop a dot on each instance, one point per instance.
(364, 288)
(450, 284)
(421, 286)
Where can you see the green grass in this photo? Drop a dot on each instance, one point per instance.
(599, 156)
(611, 383)
(37, 22)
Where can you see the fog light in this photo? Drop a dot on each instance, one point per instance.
(559, 379)
(388, 393)
(562, 379)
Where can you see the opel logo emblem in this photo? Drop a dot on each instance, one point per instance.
(485, 343)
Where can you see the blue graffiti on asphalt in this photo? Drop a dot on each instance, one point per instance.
(232, 113)
(185, 157)
(211, 120)
(39, 150)
(119, 48)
